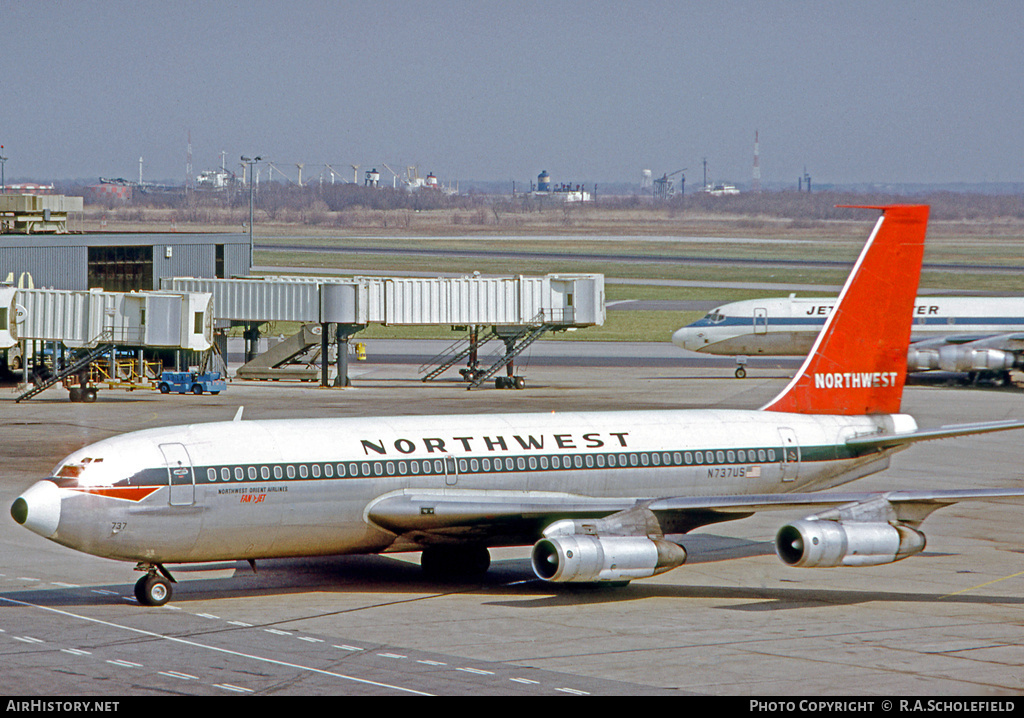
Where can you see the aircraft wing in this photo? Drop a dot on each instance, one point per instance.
(1010, 341)
(423, 517)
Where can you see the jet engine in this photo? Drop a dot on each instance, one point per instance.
(813, 543)
(959, 358)
(589, 559)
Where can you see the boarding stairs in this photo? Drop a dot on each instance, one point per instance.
(454, 354)
(103, 346)
(277, 362)
(514, 346)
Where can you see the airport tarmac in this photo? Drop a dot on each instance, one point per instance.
(947, 622)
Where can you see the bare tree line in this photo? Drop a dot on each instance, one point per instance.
(350, 204)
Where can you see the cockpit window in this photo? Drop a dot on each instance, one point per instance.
(715, 316)
(70, 471)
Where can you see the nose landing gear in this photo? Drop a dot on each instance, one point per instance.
(741, 367)
(153, 589)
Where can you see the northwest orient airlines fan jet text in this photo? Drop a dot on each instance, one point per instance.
(596, 493)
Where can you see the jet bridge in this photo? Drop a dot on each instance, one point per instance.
(516, 310)
(94, 324)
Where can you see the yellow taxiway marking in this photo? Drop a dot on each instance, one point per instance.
(982, 585)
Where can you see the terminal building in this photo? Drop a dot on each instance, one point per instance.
(119, 262)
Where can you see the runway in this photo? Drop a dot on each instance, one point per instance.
(625, 258)
(946, 622)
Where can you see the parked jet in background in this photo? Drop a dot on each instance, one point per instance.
(597, 494)
(982, 336)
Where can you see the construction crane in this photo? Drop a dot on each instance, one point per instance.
(394, 175)
(280, 172)
(664, 187)
(334, 173)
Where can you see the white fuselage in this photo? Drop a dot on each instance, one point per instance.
(255, 489)
(788, 326)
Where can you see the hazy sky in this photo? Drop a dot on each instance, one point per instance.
(888, 91)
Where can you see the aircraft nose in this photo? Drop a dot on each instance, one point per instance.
(681, 337)
(38, 509)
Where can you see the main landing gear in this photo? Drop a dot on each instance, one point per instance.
(153, 589)
(446, 562)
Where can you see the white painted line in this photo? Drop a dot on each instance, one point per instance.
(215, 649)
(433, 663)
(240, 623)
(207, 615)
(277, 632)
(104, 592)
(391, 655)
(125, 664)
(181, 676)
(27, 578)
(310, 639)
(28, 639)
(65, 585)
(573, 691)
(477, 671)
(229, 687)
(349, 648)
(526, 681)
(75, 651)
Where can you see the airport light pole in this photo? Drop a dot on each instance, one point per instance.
(251, 162)
(3, 167)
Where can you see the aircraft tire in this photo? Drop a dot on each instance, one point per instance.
(443, 562)
(75, 394)
(153, 590)
(519, 382)
(740, 372)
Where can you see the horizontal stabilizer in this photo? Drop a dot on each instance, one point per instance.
(893, 440)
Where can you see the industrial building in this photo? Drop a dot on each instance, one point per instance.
(119, 262)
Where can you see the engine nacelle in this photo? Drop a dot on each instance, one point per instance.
(964, 358)
(922, 359)
(959, 359)
(811, 543)
(590, 559)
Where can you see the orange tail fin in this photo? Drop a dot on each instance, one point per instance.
(859, 361)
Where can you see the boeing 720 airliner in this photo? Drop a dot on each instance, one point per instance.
(597, 494)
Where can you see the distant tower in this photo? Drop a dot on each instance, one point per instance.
(645, 180)
(544, 182)
(189, 180)
(756, 185)
(140, 170)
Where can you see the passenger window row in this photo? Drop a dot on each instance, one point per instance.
(545, 462)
